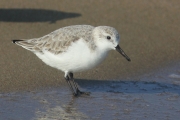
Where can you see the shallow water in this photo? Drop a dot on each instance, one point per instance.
(153, 96)
(149, 35)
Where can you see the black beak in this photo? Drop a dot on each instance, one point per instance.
(122, 52)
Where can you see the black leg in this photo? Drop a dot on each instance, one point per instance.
(76, 86)
(70, 86)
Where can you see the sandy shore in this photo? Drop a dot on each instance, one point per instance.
(149, 35)
(154, 96)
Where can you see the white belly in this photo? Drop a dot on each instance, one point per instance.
(77, 58)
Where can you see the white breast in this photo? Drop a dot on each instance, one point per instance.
(78, 57)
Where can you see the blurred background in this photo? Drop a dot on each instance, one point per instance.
(149, 35)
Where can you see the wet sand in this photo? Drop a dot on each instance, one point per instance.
(149, 35)
(154, 96)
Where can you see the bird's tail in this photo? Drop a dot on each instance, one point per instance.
(14, 41)
(25, 44)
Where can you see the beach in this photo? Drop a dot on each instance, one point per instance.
(148, 87)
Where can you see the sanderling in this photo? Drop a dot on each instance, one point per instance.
(74, 48)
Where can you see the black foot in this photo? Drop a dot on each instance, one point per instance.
(73, 86)
(78, 92)
(85, 93)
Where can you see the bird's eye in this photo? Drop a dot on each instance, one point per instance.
(108, 37)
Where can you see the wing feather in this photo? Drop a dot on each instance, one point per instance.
(57, 41)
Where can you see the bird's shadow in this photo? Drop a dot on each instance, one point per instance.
(128, 86)
(34, 15)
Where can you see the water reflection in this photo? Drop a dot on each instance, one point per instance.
(57, 106)
(108, 100)
(59, 112)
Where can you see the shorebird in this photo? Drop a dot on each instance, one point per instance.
(74, 48)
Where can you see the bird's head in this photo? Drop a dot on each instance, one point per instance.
(107, 38)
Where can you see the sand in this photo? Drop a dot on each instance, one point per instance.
(149, 35)
(154, 96)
